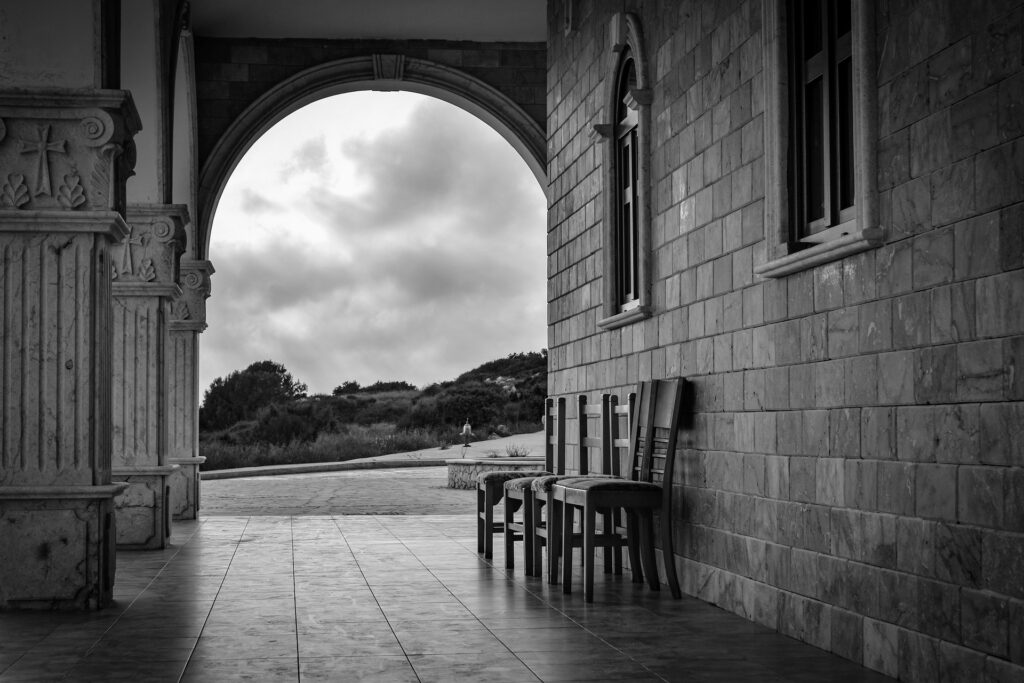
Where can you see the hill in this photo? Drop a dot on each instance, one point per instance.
(500, 397)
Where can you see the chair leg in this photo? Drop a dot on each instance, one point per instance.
(489, 504)
(668, 555)
(647, 546)
(538, 540)
(614, 520)
(479, 520)
(608, 530)
(528, 531)
(568, 512)
(633, 547)
(554, 543)
(509, 535)
(589, 552)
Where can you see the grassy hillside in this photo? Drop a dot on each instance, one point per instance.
(500, 397)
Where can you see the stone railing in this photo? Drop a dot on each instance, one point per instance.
(462, 474)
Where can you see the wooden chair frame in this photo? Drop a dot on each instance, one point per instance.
(653, 439)
(490, 486)
(518, 492)
(550, 534)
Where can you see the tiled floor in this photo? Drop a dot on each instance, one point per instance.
(383, 598)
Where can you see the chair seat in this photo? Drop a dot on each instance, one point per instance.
(604, 484)
(545, 484)
(502, 476)
(520, 483)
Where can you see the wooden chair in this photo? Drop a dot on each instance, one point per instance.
(596, 446)
(652, 448)
(518, 492)
(490, 486)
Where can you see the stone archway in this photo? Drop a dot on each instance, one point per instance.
(386, 72)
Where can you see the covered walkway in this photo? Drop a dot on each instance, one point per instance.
(335, 596)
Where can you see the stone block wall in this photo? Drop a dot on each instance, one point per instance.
(855, 474)
(232, 73)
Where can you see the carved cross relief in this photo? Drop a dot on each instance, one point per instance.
(42, 147)
(126, 255)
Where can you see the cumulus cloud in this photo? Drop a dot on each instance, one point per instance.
(411, 252)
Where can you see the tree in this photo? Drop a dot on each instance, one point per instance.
(242, 393)
(348, 387)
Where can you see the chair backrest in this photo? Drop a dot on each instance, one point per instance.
(655, 429)
(594, 430)
(620, 419)
(554, 435)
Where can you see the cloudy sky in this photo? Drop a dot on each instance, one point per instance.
(376, 236)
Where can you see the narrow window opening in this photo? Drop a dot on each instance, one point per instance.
(822, 165)
(627, 231)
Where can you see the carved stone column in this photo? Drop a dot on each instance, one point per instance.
(188, 321)
(145, 275)
(64, 159)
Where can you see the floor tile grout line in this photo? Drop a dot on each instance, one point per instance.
(224, 578)
(467, 545)
(511, 576)
(334, 519)
(100, 637)
(295, 602)
(475, 616)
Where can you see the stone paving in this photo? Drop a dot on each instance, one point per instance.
(374, 576)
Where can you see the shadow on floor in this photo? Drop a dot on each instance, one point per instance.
(384, 598)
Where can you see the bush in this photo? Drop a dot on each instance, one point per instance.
(261, 415)
(243, 393)
(354, 443)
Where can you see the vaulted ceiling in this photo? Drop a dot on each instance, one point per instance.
(478, 20)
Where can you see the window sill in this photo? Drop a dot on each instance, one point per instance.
(624, 318)
(826, 252)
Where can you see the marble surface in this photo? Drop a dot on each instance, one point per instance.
(275, 597)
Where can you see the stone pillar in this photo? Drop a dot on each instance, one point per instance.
(188, 320)
(64, 156)
(145, 275)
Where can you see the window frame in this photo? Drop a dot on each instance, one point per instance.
(628, 105)
(858, 230)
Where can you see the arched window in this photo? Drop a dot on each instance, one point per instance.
(627, 201)
(627, 172)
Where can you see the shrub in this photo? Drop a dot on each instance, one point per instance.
(243, 393)
(352, 444)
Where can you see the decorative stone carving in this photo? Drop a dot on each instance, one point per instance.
(388, 67)
(188, 312)
(57, 223)
(42, 147)
(188, 320)
(146, 271)
(637, 97)
(66, 151)
(14, 193)
(601, 131)
(152, 249)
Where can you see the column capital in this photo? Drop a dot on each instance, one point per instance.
(149, 255)
(188, 312)
(66, 149)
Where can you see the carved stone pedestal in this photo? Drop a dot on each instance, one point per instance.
(185, 488)
(143, 511)
(64, 157)
(145, 271)
(58, 546)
